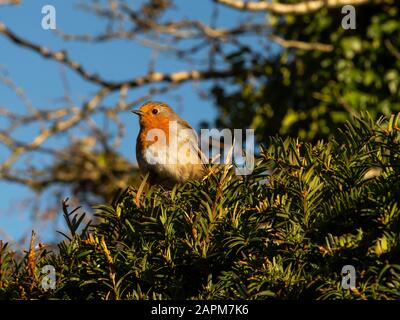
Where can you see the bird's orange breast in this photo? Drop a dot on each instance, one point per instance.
(147, 124)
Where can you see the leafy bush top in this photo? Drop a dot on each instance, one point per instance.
(283, 232)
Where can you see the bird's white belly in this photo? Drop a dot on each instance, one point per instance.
(176, 162)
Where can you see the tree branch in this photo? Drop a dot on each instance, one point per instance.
(9, 2)
(59, 56)
(296, 8)
(155, 77)
(49, 131)
(392, 49)
(301, 44)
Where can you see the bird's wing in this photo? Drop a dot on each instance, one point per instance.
(193, 141)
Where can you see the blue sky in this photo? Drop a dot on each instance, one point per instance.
(43, 85)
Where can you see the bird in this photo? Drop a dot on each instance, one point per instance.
(167, 147)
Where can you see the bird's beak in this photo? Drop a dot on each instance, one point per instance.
(138, 112)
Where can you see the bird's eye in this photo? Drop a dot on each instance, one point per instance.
(154, 111)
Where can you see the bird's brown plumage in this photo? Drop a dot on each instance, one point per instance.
(186, 164)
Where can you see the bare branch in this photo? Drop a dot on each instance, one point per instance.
(9, 2)
(301, 44)
(176, 77)
(392, 49)
(60, 56)
(18, 91)
(49, 131)
(284, 8)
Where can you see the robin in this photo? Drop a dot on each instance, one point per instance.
(167, 146)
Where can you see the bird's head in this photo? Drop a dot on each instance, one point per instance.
(154, 114)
